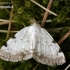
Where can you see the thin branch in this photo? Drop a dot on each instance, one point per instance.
(46, 13)
(7, 10)
(36, 67)
(44, 8)
(23, 24)
(9, 27)
(5, 31)
(5, 22)
(50, 20)
(64, 37)
(67, 67)
(54, 30)
(4, 8)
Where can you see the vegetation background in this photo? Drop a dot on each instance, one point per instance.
(24, 10)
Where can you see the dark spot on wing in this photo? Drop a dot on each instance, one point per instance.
(32, 49)
(53, 41)
(60, 50)
(5, 44)
(13, 36)
(25, 51)
(21, 39)
(50, 45)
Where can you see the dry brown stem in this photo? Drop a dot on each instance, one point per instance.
(44, 8)
(46, 13)
(9, 27)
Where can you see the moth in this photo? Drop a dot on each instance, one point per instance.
(33, 42)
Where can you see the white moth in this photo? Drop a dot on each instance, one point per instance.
(33, 41)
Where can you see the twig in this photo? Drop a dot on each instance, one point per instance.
(50, 20)
(44, 8)
(36, 66)
(5, 31)
(5, 22)
(67, 67)
(7, 10)
(64, 37)
(46, 13)
(9, 27)
(54, 30)
(23, 24)
(4, 8)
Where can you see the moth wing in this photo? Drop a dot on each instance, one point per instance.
(17, 48)
(47, 50)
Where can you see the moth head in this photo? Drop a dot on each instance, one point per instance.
(35, 24)
(35, 28)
